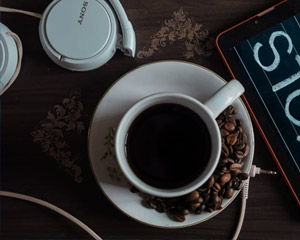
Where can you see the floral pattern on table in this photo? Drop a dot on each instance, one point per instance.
(53, 133)
(194, 40)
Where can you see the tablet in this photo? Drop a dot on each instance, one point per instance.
(263, 52)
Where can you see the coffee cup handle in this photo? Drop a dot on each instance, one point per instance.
(225, 96)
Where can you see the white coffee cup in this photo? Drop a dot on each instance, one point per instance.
(208, 112)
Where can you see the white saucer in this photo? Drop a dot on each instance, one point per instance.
(163, 76)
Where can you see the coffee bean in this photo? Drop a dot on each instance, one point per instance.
(239, 154)
(239, 160)
(207, 192)
(172, 210)
(224, 132)
(239, 129)
(219, 172)
(148, 203)
(192, 196)
(179, 218)
(146, 196)
(145, 203)
(229, 126)
(181, 205)
(220, 201)
(230, 110)
(243, 176)
(240, 185)
(230, 149)
(218, 208)
(209, 209)
(224, 169)
(221, 125)
(216, 199)
(210, 182)
(198, 200)
(243, 138)
(231, 139)
(195, 205)
(246, 151)
(239, 122)
(236, 132)
(230, 160)
(235, 166)
(239, 146)
(236, 185)
(216, 177)
(228, 193)
(160, 208)
(221, 117)
(202, 207)
(216, 187)
(201, 190)
(206, 199)
(229, 184)
(235, 173)
(221, 193)
(152, 203)
(222, 162)
(198, 211)
(235, 182)
(225, 150)
(184, 212)
(234, 110)
(227, 112)
(231, 119)
(225, 179)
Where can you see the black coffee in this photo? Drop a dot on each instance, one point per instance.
(168, 146)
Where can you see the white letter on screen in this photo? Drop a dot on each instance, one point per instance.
(290, 97)
(289, 80)
(276, 61)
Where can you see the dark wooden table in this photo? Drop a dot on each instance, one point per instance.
(32, 164)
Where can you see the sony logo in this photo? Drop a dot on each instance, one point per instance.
(82, 12)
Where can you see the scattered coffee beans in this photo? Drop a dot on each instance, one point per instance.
(225, 180)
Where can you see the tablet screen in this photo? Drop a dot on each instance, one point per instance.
(271, 62)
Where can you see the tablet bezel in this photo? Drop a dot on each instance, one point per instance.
(237, 34)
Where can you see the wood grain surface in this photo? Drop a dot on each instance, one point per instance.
(31, 168)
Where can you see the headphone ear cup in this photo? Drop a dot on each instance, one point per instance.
(128, 34)
(82, 40)
(11, 52)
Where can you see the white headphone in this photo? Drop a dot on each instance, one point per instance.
(11, 52)
(78, 35)
(82, 35)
